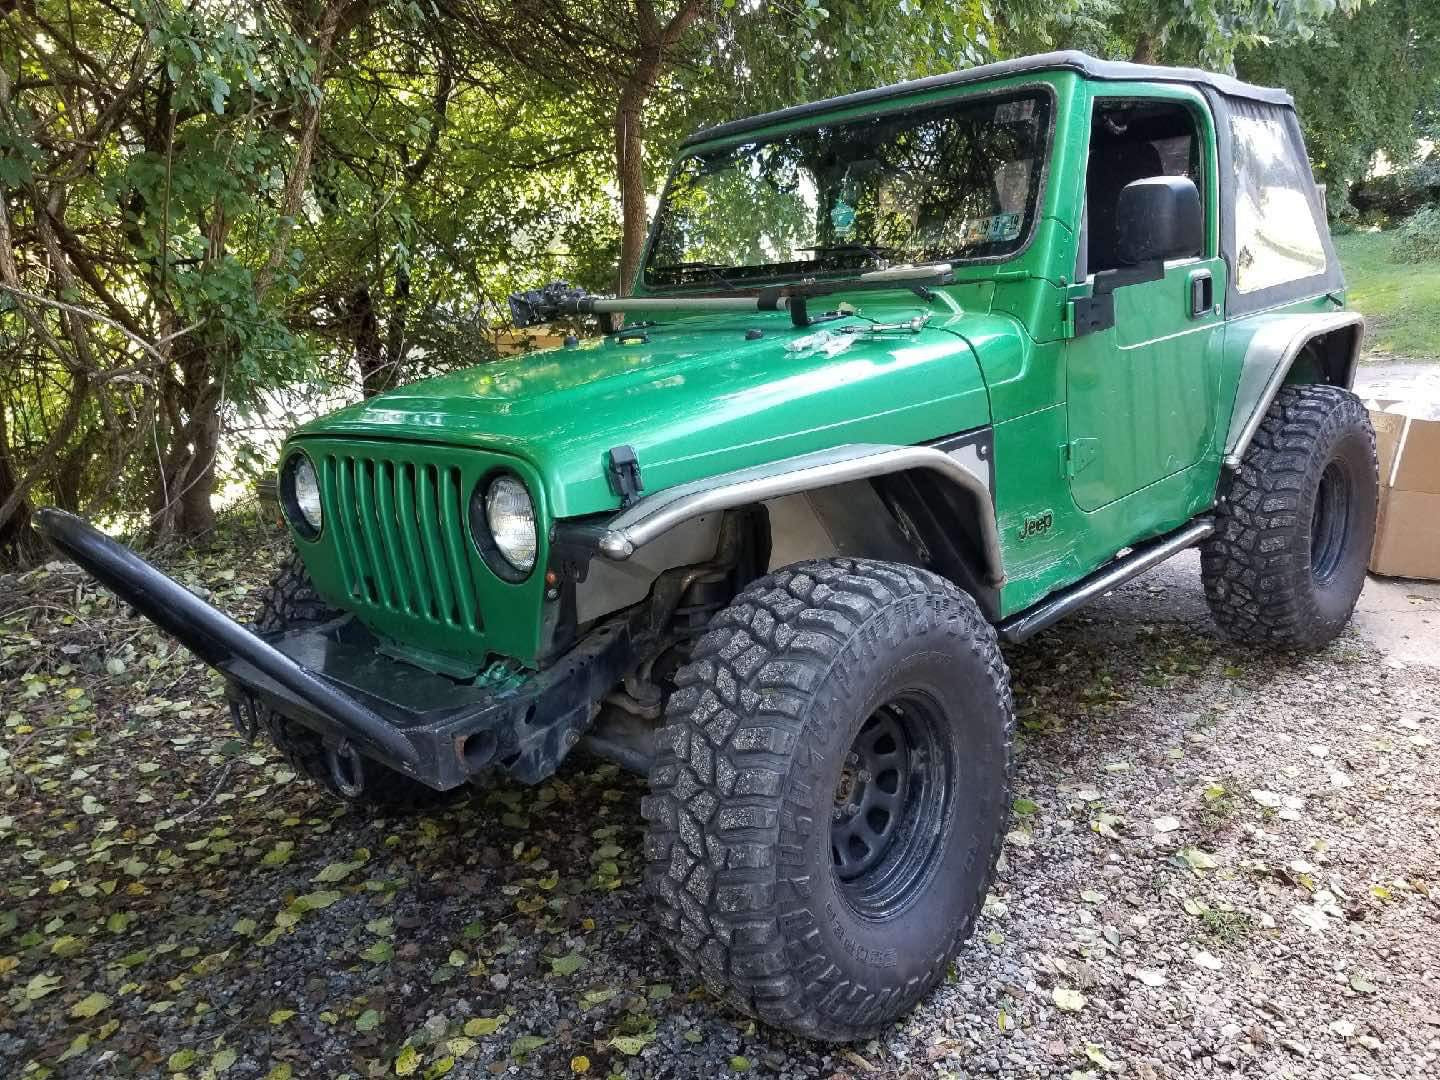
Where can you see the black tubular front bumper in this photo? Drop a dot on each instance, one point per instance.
(333, 680)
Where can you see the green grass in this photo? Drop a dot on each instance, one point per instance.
(1400, 301)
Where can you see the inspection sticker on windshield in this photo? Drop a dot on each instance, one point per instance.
(990, 230)
(1014, 112)
(842, 216)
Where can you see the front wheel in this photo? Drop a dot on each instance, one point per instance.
(830, 794)
(1295, 526)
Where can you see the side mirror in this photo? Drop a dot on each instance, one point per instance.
(1159, 218)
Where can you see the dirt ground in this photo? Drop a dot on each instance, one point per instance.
(1222, 861)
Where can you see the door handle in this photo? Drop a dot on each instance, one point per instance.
(1202, 293)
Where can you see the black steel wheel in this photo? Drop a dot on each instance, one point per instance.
(1329, 522)
(895, 780)
(830, 794)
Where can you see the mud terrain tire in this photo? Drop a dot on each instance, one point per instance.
(1296, 522)
(834, 704)
(289, 602)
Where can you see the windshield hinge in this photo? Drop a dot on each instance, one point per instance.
(1088, 314)
(625, 475)
(1077, 455)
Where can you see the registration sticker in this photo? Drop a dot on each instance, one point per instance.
(1015, 112)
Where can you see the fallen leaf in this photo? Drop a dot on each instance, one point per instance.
(1197, 859)
(1166, 824)
(567, 964)
(591, 998)
(407, 1061)
(1067, 1000)
(480, 1026)
(379, 952)
(90, 1005)
(1206, 960)
(631, 1044)
(527, 1044)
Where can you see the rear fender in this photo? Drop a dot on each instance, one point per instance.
(1318, 347)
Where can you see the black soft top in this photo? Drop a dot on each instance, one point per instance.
(1082, 63)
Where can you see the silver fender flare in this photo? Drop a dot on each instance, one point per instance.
(655, 514)
(1268, 359)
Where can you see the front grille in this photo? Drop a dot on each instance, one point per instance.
(400, 537)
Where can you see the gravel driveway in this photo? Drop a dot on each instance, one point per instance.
(1222, 861)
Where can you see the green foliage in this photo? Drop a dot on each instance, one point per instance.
(1361, 83)
(1399, 299)
(236, 257)
(1418, 239)
(1398, 193)
(1208, 33)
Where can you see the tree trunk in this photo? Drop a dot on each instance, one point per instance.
(630, 169)
(396, 342)
(180, 500)
(1144, 48)
(18, 542)
(653, 49)
(365, 336)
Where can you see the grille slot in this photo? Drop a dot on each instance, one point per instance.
(401, 539)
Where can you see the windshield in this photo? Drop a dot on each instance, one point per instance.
(948, 183)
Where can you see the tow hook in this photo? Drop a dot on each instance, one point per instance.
(347, 770)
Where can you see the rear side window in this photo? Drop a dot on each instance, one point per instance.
(1277, 239)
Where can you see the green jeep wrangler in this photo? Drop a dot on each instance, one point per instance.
(907, 373)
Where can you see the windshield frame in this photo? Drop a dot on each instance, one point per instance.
(1046, 146)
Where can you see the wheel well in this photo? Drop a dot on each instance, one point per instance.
(943, 521)
(1328, 358)
(915, 517)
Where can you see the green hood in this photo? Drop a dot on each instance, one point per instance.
(694, 400)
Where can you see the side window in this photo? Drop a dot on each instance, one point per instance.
(1129, 141)
(1276, 237)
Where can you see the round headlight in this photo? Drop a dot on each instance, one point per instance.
(510, 519)
(300, 495)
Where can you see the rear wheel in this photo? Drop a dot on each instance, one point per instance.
(289, 603)
(830, 794)
(1297, 521)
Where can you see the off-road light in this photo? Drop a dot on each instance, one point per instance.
(300, 495)
(509, 527)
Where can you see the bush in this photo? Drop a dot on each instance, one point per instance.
(1400, 193)
(1418, 238)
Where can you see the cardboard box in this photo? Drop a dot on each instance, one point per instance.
(1407, 530)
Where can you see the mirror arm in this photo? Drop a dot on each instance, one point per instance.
(1107, 281)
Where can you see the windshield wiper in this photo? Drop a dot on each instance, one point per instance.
(713, 269)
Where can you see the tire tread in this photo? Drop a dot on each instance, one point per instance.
(725, 846)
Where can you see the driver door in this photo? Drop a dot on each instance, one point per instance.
(1141, 393)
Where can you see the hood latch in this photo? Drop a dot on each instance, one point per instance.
(625, 477)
